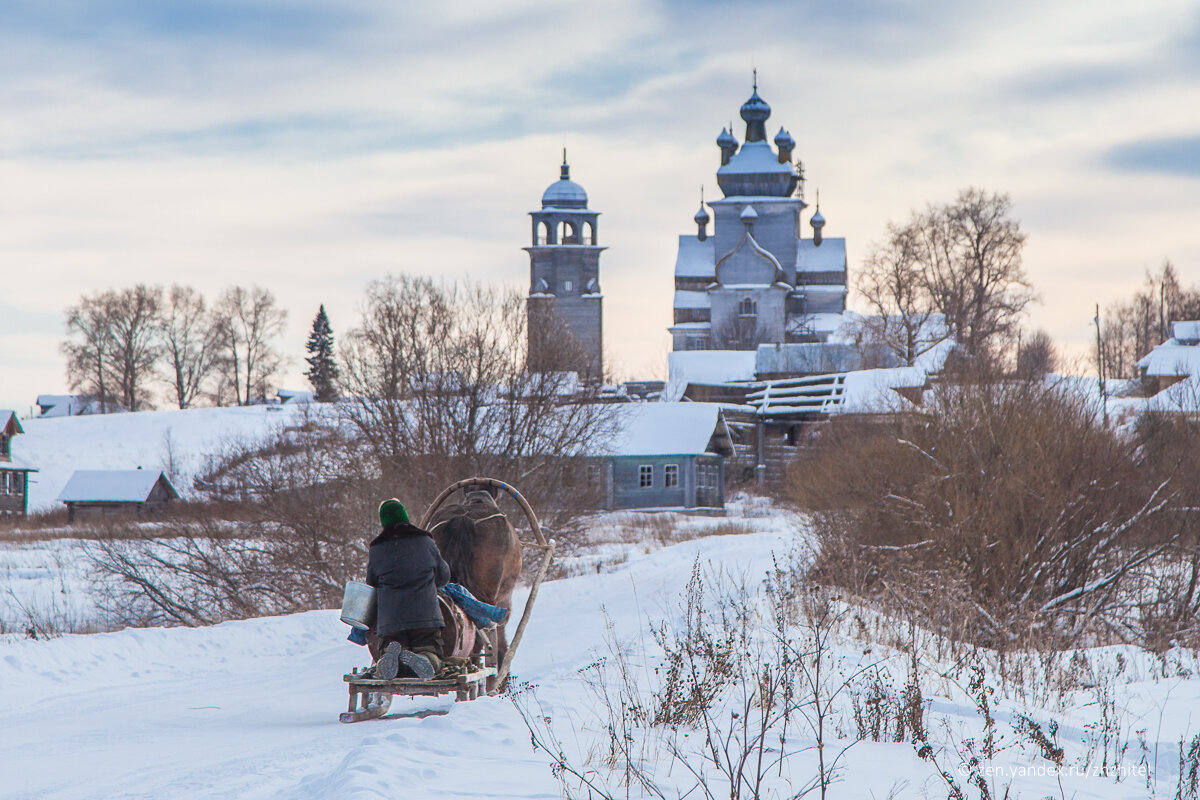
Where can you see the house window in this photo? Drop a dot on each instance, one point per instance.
(4, 482)
(567, 286)
(697, 343)
(5, 450)
(671, 475)
(645, 476)
(748, 307)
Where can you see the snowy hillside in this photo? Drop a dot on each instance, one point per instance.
(249, 709)
(177, 442)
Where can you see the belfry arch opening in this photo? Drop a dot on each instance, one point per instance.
(568, 233)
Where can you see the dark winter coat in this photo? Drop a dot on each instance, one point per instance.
(406, 569)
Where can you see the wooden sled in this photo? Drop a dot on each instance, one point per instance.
(371, 698)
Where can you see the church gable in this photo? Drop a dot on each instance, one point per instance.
(748, 264)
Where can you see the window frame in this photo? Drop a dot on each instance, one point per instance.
(645, 476)
(670, 476)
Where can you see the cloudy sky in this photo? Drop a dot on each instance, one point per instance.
(313, 147)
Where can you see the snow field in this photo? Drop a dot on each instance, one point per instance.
(249, 709)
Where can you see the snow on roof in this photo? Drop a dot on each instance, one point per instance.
(112, 486)
(1172, 359)
(69, 405)
(18, 464)
(872, 391)
(663, 429)
(869, 391)
(695, 258)
(829, 256)
(295, 396)
(711, 366)
(1186, 332)
(691, 299)
(754, 158)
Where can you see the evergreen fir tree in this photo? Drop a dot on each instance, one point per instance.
(322, 369)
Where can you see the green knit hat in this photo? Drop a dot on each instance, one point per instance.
(392, 512)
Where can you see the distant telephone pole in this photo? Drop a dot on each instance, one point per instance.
(1100, 367)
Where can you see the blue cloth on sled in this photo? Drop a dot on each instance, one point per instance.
(358, 636)
(481, 613)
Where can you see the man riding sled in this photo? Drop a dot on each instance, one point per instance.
(407, 570)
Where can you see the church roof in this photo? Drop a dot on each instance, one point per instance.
(829, 256)
(739, 265)
(685, 298)
(695, 258)
(564, 192)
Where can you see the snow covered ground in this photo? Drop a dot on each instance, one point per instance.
(249, 709)
(177, 442)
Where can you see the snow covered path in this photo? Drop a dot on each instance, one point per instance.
(249, 709)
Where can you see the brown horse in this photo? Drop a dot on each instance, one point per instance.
(482, 549)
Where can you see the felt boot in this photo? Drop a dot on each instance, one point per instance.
(389, 663)
(418, 664)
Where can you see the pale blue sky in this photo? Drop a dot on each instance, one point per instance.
(310, 147)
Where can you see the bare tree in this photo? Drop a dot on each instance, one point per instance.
(1036, 356)
(89, 349)
(969, 253)
(116, 349)
(438, 389)
(1006, 509)
(135, 324)
(903, 314)
(249, 322)
(285, 527)
(1133, 327)
(190, 341)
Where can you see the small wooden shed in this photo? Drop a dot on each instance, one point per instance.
(100, 492)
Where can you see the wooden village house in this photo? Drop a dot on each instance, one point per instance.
(14, 473)
(102, 492)
(666, 455)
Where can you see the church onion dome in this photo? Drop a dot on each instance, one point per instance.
(786, 144)
(818, 222)
(726, 139)
(564, 193)
(755, 112)
(702, 217)
(757, 170)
